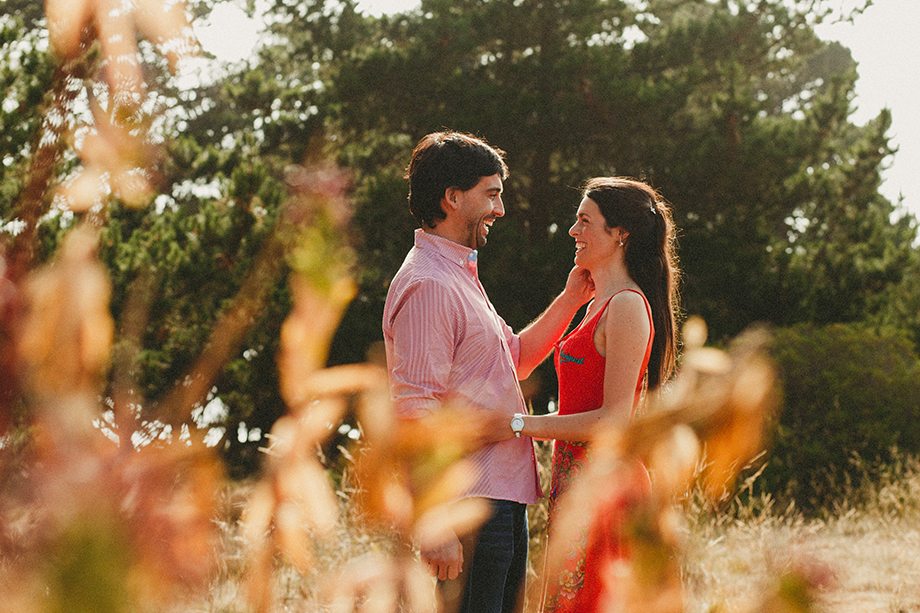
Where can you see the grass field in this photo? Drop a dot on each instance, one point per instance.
(861, 556)
(864, 563)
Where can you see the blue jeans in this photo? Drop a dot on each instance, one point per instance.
(495, 563)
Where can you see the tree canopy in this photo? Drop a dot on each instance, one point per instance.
(735, 111)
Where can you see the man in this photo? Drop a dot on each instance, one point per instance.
(444, 341)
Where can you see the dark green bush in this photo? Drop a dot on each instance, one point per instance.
(851, 398)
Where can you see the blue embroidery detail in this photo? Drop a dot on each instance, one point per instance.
(568, 358)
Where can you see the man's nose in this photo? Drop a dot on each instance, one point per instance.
(499, 209)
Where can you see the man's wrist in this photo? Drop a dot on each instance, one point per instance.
(517, 424)
(570, 300)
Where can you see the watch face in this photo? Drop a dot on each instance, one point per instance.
(517, 423)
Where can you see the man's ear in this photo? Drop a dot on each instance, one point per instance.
(451, 198)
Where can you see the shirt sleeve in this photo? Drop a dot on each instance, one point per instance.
(422, 326)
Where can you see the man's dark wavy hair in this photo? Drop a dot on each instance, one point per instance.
(448, 159)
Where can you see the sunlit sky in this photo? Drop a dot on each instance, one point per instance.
(884, 41)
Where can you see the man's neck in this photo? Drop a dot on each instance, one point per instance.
(444, 230)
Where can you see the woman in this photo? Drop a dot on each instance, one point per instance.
(624, 239)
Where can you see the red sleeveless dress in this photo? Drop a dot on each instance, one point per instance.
(580, 369)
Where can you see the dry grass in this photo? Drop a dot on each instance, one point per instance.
(863, 557)
(863, 553)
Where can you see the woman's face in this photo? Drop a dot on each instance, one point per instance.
(595, 243)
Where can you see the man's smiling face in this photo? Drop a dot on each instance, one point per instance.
(480, 206)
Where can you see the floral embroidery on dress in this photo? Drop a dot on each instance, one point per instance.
(568, 463)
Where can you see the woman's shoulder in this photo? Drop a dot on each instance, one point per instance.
(630, 297)
(629, 304)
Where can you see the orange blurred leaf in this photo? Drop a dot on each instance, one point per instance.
(68, 306)
(66, 19)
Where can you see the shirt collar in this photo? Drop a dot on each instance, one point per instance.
(449, 250)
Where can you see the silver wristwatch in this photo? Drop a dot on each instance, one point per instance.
(517, 424)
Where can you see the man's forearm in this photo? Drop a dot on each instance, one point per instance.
(537, 339)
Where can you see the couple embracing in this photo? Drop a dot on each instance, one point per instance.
(444, 341)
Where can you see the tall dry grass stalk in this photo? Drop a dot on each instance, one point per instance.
(88, 524)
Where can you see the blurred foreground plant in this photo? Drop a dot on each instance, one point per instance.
(90, 522)
(87, 522)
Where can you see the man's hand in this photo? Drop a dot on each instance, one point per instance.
(445, 560)
(493, 426)
(579, 285)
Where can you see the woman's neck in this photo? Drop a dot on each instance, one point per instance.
(610, 280)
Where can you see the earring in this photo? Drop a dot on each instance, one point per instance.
(621, 241)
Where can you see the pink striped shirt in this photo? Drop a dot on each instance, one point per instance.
(444, 341)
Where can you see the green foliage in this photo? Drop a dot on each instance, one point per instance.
(736, 112)
(191, 261)
(25, 79)
(899, 304)
(852, 394)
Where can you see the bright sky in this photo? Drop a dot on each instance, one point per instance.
(884, 41)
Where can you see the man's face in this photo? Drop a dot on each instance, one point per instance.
(479, 207)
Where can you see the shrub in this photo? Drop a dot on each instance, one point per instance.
(852, 396)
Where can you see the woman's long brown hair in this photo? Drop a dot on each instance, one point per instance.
(651, 258)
